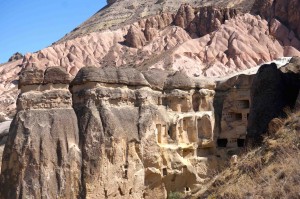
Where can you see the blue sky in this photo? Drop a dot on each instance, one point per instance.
(31, 25)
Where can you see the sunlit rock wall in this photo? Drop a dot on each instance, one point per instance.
(151, 130)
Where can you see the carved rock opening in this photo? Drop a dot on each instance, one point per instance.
(222, 142)
(196, 101)
(243, 104)
(233, 116)
(240, 142)
(164, 171)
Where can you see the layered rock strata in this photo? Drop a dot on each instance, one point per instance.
(120, 13)
(42, 158)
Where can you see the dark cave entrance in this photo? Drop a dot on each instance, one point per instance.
(222, 142)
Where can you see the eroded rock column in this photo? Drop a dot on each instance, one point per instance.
(42, 158)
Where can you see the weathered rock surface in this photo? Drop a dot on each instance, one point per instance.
(152, 113)
(203, 21)
(239, 44)
(9, 87)
(122, 133)
(233, 105)
(229, 49)
(135, 37)
(120, 13)
(42, 158)
(272, 91)
(235, 111)
(145, 137)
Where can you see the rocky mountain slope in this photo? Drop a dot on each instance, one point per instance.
(203, 41)
(131, 11)
(149, 103)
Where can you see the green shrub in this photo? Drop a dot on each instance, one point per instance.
(174, 195)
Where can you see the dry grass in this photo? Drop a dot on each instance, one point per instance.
(270, 171)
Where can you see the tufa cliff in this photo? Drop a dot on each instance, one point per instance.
(151, 98)
(121, 133)
(42, 157)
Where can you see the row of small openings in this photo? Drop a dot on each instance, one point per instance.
(224, 142)
(233, 116)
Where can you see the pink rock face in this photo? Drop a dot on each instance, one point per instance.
(241, 42)
(144, 31)
(185, 15)
(107, 48)
(9, 87)
(135, 37)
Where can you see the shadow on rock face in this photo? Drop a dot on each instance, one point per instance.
(272, 91)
